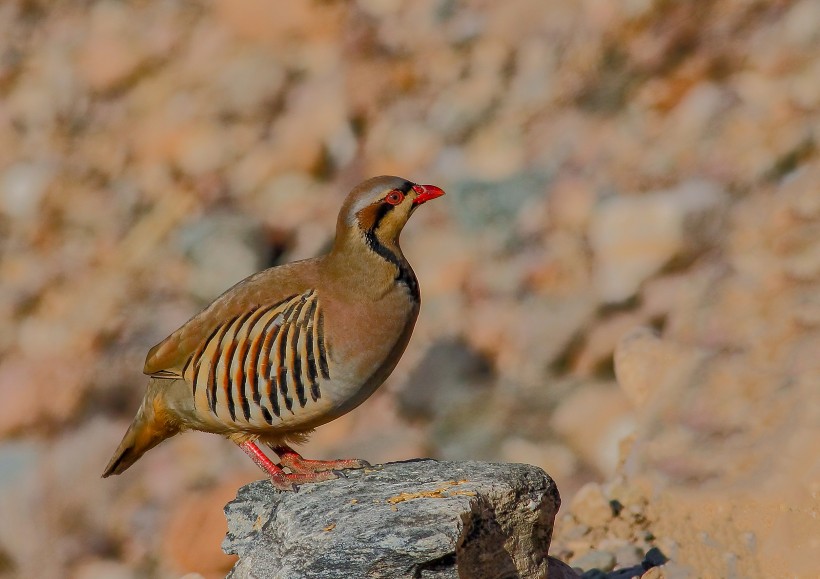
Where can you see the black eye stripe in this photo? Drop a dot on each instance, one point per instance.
(384, 209)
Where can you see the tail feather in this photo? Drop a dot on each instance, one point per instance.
(143, 435)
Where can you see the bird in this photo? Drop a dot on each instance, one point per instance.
(292, 347)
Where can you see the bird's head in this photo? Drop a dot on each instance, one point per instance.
(378, 208)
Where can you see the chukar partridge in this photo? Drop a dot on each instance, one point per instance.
(292, 347)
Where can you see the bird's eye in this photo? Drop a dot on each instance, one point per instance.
(394, 197)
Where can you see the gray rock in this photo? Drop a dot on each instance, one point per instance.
(419, 518)
(495, 204)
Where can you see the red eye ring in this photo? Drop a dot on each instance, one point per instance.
(394, 197)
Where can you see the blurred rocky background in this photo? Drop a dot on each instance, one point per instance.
(622, 285)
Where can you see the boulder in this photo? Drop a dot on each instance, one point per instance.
(420, 518)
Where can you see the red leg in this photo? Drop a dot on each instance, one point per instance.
(293, 460)
(279, 478)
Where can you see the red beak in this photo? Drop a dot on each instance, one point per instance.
(425, 193)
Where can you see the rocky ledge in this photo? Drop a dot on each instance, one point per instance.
(421, 518)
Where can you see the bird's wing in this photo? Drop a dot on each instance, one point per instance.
(168, 358)
(274, 354)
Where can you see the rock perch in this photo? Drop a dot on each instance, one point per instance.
(421, 518)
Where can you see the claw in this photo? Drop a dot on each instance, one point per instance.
(284, 485)
(292, 460)
(292, 481)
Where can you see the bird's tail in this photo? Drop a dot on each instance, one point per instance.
(146, 431)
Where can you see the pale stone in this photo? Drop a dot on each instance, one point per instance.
(248, 81)
(590, 507)
(496, 153)
(637, 358)
(110, 54)
(802, 24)
(593, 419)
(404, 146)
(634, 237)
(23, 186)
(202, 149)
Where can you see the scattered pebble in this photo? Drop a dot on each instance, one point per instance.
(598, 560)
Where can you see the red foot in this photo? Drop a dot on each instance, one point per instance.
(279, 478)
(295, 463)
